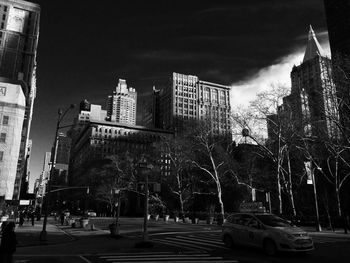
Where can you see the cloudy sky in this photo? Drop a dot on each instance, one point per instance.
(86, 46)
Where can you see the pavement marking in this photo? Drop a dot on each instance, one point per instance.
(198, 242)
(177, 244)
(85, 259)
(183, 232)
(155, 257)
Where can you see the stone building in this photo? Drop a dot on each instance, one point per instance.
(19, 33)
(311, 108)
(12, 113)
(188, 98)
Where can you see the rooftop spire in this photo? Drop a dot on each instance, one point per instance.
(313, 48)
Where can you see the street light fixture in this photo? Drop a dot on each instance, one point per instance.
(61, 114)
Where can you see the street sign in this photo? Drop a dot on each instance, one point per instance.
(24, 202)
(251, 207)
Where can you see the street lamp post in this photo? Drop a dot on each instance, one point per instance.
(43, 233)
(145, 169)
(118, 193)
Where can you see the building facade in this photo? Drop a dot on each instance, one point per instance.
(19, 33)
(12, 114)
(188, 98)
(121, 106)
(311, 108)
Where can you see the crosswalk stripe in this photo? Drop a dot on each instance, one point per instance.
(195, 241)
(177, 244)
(154, 255)
(192, 261)
(128, 253)
(164, 257)
(158, 259)
(209, 240)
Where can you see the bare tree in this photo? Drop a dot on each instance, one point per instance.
(209, 155)
(266, 108)
(178, 180)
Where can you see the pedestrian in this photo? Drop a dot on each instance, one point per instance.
(21, 218)
(8, 243)
(62, 218)
(32, 217)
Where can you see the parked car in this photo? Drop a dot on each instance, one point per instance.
(266, 231)
(91, 213)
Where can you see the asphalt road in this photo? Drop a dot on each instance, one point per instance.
(174, 243)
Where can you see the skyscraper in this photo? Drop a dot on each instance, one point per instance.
(310, 109)
(188, 98)
(338, 23)
(121, 106)
(19, 32)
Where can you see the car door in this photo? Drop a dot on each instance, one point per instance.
(255, 232)
(245, 237)
(234, 226)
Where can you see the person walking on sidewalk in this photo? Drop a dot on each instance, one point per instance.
(21, 218)
(8, 243)
(32, 217)
(62, 217)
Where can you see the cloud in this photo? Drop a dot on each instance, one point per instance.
(244, 91)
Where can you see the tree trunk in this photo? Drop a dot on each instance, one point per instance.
(222, 210)
(337, 188)
(290, 187)
(180, 194)
(181, 204)
(280, 208)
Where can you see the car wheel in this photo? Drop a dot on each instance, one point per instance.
(228, 241)
(270, 248)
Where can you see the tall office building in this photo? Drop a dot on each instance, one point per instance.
(188, 98)
(121, 106)
(338, 23)
(311, 108)
(19, 32)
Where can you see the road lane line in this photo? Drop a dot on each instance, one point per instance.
(85, 259)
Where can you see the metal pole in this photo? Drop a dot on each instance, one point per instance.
(318, 225)
(43, 233)
(118, 213)
(145, 219)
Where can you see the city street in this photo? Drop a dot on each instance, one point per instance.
(173, 242)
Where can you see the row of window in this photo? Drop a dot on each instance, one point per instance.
(185, 94)
(191, 106)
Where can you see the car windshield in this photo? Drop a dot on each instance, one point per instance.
(274, 221)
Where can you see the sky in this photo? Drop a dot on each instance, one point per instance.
(86, 46)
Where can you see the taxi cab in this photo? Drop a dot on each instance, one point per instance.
(266, 231)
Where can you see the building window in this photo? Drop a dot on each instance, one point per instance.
(215, 96)
(206, 94)
(2, 137)
(1, 156)
(5, 120)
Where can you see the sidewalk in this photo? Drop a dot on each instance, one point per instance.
(28, 235)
